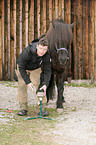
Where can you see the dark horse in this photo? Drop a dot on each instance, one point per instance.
(60, 37)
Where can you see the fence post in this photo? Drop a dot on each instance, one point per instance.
(0, 42)
(26, 22)
(79, 37)
(85, 40)
(91, 39)
(38, 17)
(9, 61)
(95, 40)
(14, 31)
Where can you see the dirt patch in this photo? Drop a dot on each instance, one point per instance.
(76, 125)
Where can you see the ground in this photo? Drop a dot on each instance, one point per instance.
(76, 125)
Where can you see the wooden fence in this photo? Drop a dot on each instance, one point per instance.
(21, 21)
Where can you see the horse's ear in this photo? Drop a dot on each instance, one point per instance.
(53, 24)
(72, 25)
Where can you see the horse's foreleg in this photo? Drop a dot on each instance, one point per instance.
(60, 88)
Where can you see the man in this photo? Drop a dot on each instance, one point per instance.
(35, 56)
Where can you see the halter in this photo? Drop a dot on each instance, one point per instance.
(61, 49)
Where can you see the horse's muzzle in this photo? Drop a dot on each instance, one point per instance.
(63, 62)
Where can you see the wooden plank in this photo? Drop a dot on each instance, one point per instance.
(75, 58)
(44, 16)
(59, 9)
(6, 40)
(23, 25)
(20, 22)
(12, 39)
(3, 40)
(0, 42)
(35, 18)
(47, 14)
(12, 43)
(41, 17)
(38, 18)
(17, 29)
(68, 11)
(68, 21)
(14, 52)
(91, 40)
(50, 11)
(26, 23)
(53, 10)
(62, 7)
(85, 40)
(95, 40)
(56, 9)
(32, 19)
(9, 61)
(79, 37)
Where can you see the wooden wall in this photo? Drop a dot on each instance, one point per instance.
(21, 21)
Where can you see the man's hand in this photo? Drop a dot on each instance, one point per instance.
(44, 87)
(31, 86)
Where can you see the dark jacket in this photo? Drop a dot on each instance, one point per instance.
(29, 60)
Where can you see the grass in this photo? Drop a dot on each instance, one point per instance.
(74, 109)
(25, 132)
(28, 132)
(9, 83)
(83, 84)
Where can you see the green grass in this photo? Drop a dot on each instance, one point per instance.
(9, 84)
(25, 132)
(74, 109)
(28, 132)
(83, 84)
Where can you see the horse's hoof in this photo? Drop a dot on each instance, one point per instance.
(64, 101)
(64, 105)
(60, 110)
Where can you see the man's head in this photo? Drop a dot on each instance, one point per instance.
(42, 46)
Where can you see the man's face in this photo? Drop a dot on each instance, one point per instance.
(41, 50)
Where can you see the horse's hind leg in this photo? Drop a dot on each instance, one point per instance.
(50, 89)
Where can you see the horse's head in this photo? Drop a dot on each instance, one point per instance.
(60, 34)
(62, 55)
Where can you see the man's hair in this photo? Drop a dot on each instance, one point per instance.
(43, 41)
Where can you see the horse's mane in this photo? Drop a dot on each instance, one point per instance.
(59, 33)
